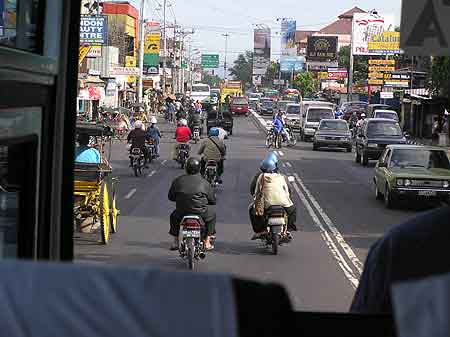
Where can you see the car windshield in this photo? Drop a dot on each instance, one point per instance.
(267, 103)
(387, 115)
(428, 159)
(282, 105)
(239, 101)
(383, 129)
(292, 109)
(316, 115)
(333, 126)
(200, 88)
(254, 96)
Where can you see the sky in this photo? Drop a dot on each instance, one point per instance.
(212, 19)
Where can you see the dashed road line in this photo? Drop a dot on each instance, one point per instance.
(281, 153)
(288, 164)
(164, 161)
(131, 193)
(151, 173)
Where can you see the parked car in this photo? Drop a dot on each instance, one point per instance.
(267, 106)
(333, 133)
(239, 106)
(370, 109)
(373, 137)
(388, 114)
(412, 172)
(310, 121)
(293, 115)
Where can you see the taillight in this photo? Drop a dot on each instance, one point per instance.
(192, 224)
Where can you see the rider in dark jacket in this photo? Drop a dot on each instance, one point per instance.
(195, 120)
(192, 195)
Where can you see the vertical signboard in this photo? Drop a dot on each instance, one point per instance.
(369, 27)
(261, 52)
(289, 61)
(93, 30)
(152, 47)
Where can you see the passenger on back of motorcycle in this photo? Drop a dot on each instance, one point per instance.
(214, 149)
(154, 133)
(182, 135)
(193, 195)
(276, 192)
(137, 138)
(280, 121)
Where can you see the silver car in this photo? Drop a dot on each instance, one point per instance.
(333, 133)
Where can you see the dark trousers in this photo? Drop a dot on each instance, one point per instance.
(259, 222)
(209, 218)
(220, 167)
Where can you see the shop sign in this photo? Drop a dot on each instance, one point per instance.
(386, 95)
(94, 52)
(131, 71)
(337, 73)
(386, 43)
(322, 48)
(93, 29)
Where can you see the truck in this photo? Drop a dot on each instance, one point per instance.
(231, 88)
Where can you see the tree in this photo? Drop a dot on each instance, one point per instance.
(305, 83)
(439, 83)
(212, 80)
(272, 73)
(242, 69)
(360, 64)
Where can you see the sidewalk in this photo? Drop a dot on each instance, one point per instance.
(424, 141)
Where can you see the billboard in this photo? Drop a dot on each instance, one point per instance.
(289, 61)
(292, 64)
(322, 48)
(93, 30)
(365, 27)
(261, 51)
(152, 45)
(386, 43)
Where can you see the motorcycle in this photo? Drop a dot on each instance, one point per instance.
(277, 233)
(292, 137)
(151, 150)
(196, 136)
(211, 173)
(137, 161)
(273, 139)
(191, 246)
(183, 154)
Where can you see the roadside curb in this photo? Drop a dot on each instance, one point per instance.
(259, 121)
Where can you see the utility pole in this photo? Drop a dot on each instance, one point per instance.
(141, 50)
(164, 47)
(174, 61)
(226, 52)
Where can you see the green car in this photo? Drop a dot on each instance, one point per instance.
(412, 172)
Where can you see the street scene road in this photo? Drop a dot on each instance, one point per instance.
(338, 219)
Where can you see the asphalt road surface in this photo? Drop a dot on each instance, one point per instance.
(338, 219)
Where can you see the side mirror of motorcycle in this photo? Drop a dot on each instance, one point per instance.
(291, 179)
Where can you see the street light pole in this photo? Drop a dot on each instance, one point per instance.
(165, 47)
(141, 50)
(226, 52)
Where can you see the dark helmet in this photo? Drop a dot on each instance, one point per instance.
(192, 166)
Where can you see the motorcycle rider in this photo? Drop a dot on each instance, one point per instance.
(193, 195)
(182, 135)
(214, 149)
(278, 127)
(276, 192)
(195, 120)
(360, 121)
(154, 133)
(137, 138)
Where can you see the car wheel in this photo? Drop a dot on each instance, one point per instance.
(388, 198)
(378, 194)
(357, 156)
(365, 159)
(315, 148)
(349, 149)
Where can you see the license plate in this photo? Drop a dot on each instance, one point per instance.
(427, 193)
(191, 234)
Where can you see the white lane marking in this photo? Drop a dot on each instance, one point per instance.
(288, 164)
(130, 194)
(283, 164)
(151, 173)
(338, 236)
(281, 153)
(328, 240)
(164, 161)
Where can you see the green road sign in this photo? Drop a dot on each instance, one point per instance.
(210, 61)
(184, 65)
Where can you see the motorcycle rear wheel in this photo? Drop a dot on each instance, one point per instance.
(190, 257)
(275, 243)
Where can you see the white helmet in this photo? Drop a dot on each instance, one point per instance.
(363, 115)
(153, 120)
(138, 125)
(183, 122)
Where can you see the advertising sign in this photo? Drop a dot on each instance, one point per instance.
(288, 61)
(321, 66)
(131, 71)
(386, 95)
(382, 62)
(365, 26)
(94, 52)
(386, 43)
(152, 44)
(83, 51)
(337, 73)
(261, 51)
(322, 48)
(93, 29)
(292, 63)
(210, 61)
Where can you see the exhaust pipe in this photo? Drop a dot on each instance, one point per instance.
(202, 255)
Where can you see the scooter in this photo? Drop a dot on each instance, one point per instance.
(137, 161)
(191, 246)
(183, 154)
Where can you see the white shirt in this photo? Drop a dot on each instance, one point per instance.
(222, 134)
